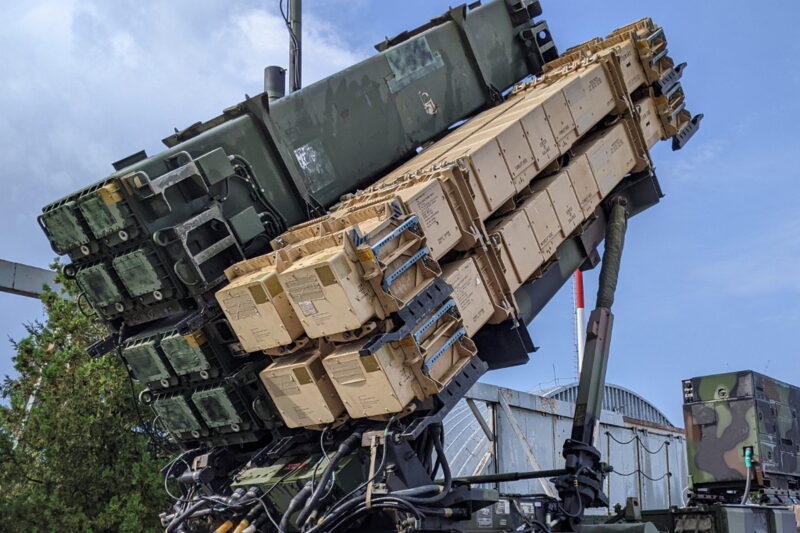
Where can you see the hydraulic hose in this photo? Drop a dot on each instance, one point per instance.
(416, 491)
(178, 520)
(438, 445)
(615, 241)
(355, 508)
(294, 504)
(345, 448)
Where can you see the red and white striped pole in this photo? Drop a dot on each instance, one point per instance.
(580, 323)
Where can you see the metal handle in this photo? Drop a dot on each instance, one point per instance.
(659, 56)
(409, 223)
(448, 305)
(426, 367)
(390, 278)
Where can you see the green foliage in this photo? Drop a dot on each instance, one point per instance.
(82, 462)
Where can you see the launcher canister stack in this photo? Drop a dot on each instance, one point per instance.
(369, 310)
(452, 233)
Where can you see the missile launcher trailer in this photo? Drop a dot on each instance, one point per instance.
(335, 268)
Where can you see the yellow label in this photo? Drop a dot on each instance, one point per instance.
(195, 339)
(109, 193)
(407, 341)
(365, 254)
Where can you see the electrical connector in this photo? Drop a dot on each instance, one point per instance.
(748, 457)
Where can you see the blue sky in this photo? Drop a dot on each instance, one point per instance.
(709, 277)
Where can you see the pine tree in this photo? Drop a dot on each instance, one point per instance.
(82, 461)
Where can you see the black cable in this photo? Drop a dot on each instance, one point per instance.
(250, 177)
(345, 448)
(169, 468)
(533, 522)
(541, 526)
(178, 520)
(295, 503)
(155, 441)
(324, 454)
(637, 438)
(638, 471)
(438, 444)
(383, 502)
(577, 513)
(378, 470)
(80, 306)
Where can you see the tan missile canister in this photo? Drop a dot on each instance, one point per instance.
(301, 390)
(445, 350)
(514, 147)
(611, 156)
(470, 293)
(649, 121)
(556, 109)
(544, 222)
(488, 176)
(327, 293)
(519, 252)
(633, 73)
(565, 203)
(590, 97)
(583, 183)
(373, 385)
(540, 136)
(428, 202)
(425, 198)
(493, 277)
(259, 311)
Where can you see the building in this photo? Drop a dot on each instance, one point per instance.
(519, 431)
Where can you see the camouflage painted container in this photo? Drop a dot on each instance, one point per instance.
(727, 413)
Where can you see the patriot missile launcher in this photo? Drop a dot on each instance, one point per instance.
(335, 268)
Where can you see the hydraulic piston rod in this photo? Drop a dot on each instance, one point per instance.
(581, 486)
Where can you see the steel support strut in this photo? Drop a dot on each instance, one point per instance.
(582, 484)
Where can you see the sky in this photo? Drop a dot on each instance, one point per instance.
(709, 276)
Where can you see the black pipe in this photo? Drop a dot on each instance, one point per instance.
(347, 446)
(510, 476)
(178, 520)
(298, 500)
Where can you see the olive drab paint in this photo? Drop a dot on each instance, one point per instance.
(727, 413)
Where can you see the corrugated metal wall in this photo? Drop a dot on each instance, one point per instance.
(649, 461)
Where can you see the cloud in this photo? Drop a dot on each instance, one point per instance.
(697, 161)
(88, 82)
(760, 262)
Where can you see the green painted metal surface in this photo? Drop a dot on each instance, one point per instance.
(284, 478)
(216, 407)
(102, 219)
(96, 282)
(183, 358)
(149, 243)
(136, 273)
(726, 413)
(145, 362)
(176, 415)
